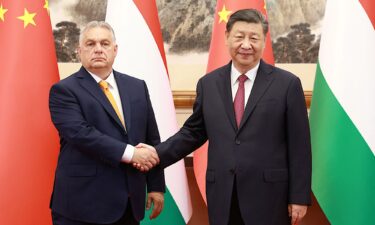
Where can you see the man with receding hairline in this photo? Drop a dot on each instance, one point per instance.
(100, 115)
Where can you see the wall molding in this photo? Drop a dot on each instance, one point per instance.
(185, 99)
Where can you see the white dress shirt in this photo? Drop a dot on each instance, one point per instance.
(251, 74)
(112, 85)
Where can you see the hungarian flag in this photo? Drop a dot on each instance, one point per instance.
(141, 54)
(28, 140)
(342, 116)
(218, 57)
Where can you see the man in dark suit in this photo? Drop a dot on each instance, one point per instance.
(255, 119)
(100, 115)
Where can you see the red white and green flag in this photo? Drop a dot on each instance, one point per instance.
(28, 139)
(218, 57)
(141, 54)
(342, 116)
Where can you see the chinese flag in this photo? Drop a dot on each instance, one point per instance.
(219, 56)
(28, 140)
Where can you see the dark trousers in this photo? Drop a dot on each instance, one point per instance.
(126, 219)
(235, 217)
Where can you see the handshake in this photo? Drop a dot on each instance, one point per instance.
(145, 157)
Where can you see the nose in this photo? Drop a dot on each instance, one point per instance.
(246, 44)
(98, 48)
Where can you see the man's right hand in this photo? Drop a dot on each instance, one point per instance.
(144, 157)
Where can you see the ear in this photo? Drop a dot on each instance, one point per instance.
(265, 43)
(226, 37)
(115, 49)
(79, 51)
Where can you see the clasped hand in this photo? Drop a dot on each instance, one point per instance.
(145, 157)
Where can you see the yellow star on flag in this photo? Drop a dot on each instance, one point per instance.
(224, 13)
(2, 12)
(28, 18)
(46, 6)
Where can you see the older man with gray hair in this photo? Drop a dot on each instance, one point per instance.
(101, 114)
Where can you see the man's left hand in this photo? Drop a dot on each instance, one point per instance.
(157, 199)
(296, 212)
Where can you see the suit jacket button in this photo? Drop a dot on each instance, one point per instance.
(238, 142)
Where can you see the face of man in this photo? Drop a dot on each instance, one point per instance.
(245, 43)
(97, 51)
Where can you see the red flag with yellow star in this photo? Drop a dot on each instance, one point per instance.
(28, 140)
(219, 56)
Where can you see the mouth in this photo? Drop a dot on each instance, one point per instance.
(98, 59)
(245, 54)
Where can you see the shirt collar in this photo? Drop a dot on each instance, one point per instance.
(110, 79)
(251, 74)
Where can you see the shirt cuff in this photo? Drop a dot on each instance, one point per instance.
(128, 154)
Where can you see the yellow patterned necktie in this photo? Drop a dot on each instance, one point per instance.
(104, 86)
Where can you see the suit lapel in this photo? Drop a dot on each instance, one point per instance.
(123, 88)
(90, 85)
(225, 90)
(261, 83)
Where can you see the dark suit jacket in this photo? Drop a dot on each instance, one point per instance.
(91, 184)
(269, 154)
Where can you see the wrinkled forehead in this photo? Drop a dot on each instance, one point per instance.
(97, 34)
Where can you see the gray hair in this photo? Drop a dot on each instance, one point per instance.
(94, 24)
(249, 16)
